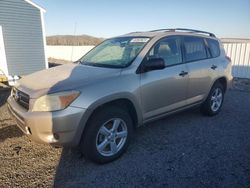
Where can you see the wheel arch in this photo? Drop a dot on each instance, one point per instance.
(206, 105)
(123, 102)
(223, 81)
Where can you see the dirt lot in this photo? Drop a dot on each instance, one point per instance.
(184, 150)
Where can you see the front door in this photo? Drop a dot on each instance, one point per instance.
(164, 90)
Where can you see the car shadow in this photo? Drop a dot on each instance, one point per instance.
(152, 146)
(9, 131)
(4, 94)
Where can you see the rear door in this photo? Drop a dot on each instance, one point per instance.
(164, 90)
(196, 56)
(217, 63)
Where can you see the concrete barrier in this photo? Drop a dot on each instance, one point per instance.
(69, 53)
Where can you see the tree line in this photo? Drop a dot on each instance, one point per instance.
(71, 40)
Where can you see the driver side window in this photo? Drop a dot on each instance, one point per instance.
(168, 49)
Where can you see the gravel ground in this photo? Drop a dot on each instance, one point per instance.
(241, 84)
(183, 150)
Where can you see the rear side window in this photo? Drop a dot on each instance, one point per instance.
(194, 48)
(214, 47)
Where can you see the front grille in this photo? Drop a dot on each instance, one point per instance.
(21, 98)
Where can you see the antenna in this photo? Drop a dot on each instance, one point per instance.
(72, 50)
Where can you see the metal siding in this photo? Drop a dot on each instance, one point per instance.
(239, 52)
(3, 63)
(23, 37)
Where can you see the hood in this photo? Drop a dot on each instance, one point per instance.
(62, 78)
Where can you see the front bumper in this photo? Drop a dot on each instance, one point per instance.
(62, 127)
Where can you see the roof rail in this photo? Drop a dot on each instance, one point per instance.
(184, 29)
(173, 30)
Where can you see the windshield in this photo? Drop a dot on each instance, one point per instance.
(116, 52)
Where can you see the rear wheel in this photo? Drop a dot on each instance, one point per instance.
(214, 101)
(107, 135)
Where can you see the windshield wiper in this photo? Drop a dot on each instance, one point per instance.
(77, 62)
(101, 65)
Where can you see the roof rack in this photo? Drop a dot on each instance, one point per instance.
(184, 29)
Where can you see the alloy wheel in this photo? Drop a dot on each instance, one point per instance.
(216, 99)
(111, 137)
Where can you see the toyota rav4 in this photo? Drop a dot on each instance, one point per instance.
(126, 81)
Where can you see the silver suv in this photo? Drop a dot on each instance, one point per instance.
(126, 81)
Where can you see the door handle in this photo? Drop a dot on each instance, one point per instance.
(213, 67)
(183, 73)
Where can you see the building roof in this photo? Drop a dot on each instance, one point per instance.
(35, 5)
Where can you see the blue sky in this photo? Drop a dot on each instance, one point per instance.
(107, 18)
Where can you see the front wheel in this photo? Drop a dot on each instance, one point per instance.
(214, 101)
(107, 135)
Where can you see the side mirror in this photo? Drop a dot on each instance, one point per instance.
(153, 64)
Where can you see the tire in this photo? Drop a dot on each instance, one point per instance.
(107, 135)
(212, 105)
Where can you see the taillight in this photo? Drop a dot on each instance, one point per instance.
(229, 59)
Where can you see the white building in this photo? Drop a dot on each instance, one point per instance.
(22, 37)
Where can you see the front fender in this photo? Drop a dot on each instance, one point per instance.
(117, 96)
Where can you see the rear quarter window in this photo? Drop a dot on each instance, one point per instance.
(194, 49)
(214, 47)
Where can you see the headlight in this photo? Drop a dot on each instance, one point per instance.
(56, 101)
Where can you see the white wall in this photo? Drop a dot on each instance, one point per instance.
(239, 52)
(69, 53)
